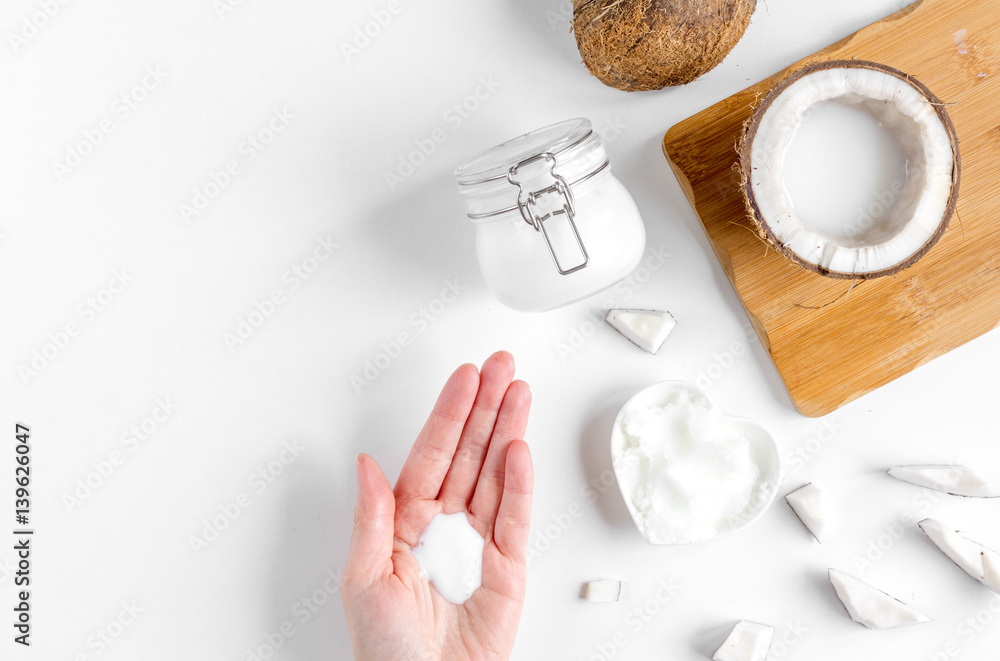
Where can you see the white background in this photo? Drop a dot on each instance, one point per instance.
(161, 338)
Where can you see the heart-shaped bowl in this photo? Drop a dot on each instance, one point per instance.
(675, 502)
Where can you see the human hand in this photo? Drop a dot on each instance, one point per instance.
(468, 457)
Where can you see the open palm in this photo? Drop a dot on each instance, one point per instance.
(469, 457)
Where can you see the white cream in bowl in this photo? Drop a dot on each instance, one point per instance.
(688, 473)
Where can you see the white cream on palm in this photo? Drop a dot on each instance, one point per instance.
(687, 475)
(450, 553)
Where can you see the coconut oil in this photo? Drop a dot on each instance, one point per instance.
(843, 172)
(450, 553)
(687, 476)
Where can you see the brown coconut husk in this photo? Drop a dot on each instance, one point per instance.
(637, 45)
(744, 148)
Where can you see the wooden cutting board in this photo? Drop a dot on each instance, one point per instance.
(830, 353)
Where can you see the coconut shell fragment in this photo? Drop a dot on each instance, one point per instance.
(637, 45)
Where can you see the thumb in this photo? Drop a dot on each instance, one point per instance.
(370, 555)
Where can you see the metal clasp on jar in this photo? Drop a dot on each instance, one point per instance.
(528, 204)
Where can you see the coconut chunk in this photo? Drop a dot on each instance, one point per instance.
(955, 480)
(603, 591)
(647, 329)
(870, 606)
(991, 570)
(749, 641)
(979, 562)
(809, 504)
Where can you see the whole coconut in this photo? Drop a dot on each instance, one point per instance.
(637, 45)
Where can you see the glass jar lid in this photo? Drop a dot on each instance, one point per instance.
(556, 139)
(569, 149)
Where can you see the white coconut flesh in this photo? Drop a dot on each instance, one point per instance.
(921, 210)
(991, 571)
(603, 591)
(954, 480)
(809, 504)
(870, 606)
(749, 641)
(976, 560)
(647, 329)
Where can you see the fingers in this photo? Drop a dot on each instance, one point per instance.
(460, 483)
(370, 555)
(431, 455)
(510, 533)
(505, 561)
(511, 423)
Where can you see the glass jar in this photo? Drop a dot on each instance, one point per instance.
(553, 225)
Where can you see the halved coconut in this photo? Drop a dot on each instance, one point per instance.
(923, 205)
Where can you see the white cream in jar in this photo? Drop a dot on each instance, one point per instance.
(553, 224)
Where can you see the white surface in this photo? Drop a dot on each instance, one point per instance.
(160, 343)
